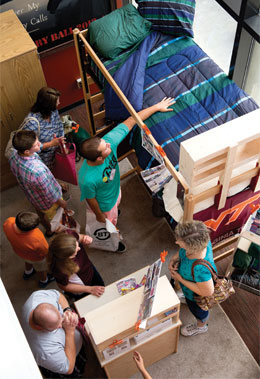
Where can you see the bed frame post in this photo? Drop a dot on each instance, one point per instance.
(80, 49)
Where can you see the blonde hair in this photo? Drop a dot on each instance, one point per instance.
(194, 234)
(61, 248)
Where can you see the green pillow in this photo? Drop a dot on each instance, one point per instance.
(118, 31)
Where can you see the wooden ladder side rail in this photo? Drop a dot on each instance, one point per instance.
(84, 81)
(129, 107)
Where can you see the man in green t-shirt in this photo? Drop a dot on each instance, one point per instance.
(99, 177)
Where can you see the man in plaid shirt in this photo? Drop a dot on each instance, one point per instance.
(36, 180)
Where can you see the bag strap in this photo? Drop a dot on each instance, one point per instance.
(28, 119)
(205, 263)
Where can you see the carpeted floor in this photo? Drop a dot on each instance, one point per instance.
(220, 353)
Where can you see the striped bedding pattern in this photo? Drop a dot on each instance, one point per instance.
(205, 97)
(173, 17)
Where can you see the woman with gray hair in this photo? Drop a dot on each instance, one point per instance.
(193, 239)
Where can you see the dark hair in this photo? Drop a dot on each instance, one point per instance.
(24, 140)
(26, 221)
(89, 148)
(194, 234)
(46, 101)
(61, 248)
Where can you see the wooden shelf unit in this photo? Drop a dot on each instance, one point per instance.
(21, 79)
(115, 317)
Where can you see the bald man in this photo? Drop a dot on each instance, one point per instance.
(50, 328)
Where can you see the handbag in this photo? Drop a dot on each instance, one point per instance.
(64, 167)
(9, 147)
(223, 287)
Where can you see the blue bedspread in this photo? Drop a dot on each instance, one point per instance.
(175, 67)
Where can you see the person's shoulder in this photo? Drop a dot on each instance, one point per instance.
(9, 221)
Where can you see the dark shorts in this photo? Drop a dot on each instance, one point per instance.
(197, 312)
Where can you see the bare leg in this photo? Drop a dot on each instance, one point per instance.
(200, 324)
(44, 221)
(42, 275)
(28, 266)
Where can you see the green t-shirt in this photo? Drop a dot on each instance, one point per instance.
(103, 181)
(201, 273)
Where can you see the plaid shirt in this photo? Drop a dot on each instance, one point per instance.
(38, 183)
(47, 130)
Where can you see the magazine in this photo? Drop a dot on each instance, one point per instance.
(156, 178)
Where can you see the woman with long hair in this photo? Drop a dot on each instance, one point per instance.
(70, 265)
(51, 127)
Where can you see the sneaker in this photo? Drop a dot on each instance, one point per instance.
(121, 247)
(44, 284)
(192, 329)
(27, 276)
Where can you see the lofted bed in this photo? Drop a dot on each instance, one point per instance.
(210, 142)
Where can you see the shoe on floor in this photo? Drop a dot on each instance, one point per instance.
(192, 329)
(27, 276)
(121, 247)
(50, 279)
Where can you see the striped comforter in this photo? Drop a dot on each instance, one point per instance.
(175, 67)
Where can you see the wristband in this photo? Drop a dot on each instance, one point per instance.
(67, 309)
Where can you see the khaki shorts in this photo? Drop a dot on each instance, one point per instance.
(39, 265)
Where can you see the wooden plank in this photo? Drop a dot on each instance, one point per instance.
(206, 146)
(225, 178)
(13, 34)
(152, 351)
(91, 302)
(121, 314)
(99, 115)
(96, 97)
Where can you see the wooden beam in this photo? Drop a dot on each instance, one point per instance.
(225, 177)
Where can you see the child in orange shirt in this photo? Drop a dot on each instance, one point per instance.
(29, 243)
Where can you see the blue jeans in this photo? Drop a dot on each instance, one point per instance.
(197, 312)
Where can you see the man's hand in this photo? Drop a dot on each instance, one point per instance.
(97, 290)
(62, 203)
(101, 217)
(164, 104)
(70, 321)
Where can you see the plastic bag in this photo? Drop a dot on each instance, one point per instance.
(63, 220)
(105, 235)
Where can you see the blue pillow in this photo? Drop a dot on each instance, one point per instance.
(117, 31)
(171, 17)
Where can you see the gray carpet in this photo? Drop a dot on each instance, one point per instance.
(220, 353)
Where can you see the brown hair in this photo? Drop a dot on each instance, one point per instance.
(194, 234)
(46, 101)
(24, 140)
(26, 221)
(89, 148)
(61, 248)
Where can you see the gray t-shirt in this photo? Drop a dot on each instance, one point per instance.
(47, 347)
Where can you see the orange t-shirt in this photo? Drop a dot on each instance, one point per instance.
(30, 245)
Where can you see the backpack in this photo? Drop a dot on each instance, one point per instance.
(9, 147)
